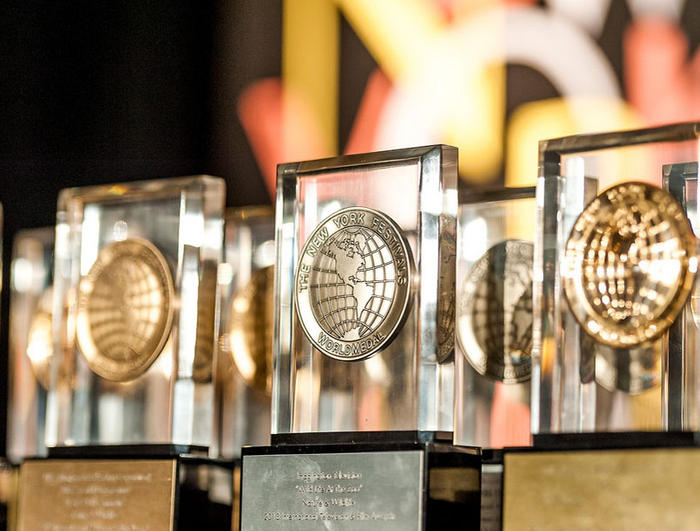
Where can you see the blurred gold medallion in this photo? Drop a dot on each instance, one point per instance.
(494, 315)
(353, 283)
(40, 339)
(250, 330)
(125, 309)
(629, 264)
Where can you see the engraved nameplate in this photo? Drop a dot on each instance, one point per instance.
(602, 489)
(348, 491)
(85, 495)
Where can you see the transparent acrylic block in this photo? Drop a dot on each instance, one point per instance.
(244, 364)
(615, 258)
(30, 341)
(365, 271)
(135, 301)
(495, 246)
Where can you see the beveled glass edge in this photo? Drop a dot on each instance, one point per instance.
(358, 159)
(676, 132)
(495, 194)
(105, 192)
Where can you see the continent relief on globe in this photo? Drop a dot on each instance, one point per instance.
(352, 283)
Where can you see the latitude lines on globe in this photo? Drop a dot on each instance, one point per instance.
(345, 303)
(352, 283)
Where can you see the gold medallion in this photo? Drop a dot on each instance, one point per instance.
(125, 309)
(353, 283)
(250, 330)
(40, 339)
(629, 264)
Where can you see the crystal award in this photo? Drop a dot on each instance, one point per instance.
(615, 338)
(131, 399)
(243, 383)
(363, 372)
(30, 342)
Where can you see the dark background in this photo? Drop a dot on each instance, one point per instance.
(95, 92)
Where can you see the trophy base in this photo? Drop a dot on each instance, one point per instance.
(630, 480)
(121, 487)
(387, 480)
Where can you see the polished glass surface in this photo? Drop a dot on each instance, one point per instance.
(244, 366)
(614, 252)
(134, 309)
(408, 383)
(495, 241)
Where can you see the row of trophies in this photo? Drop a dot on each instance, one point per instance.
(374, 355)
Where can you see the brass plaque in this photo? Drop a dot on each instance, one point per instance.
(82, 495)
(602, 489)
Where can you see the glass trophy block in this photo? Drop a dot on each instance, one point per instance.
(364, 293)
(135, 300)
(495, 246)
(615, 333)
(363, 372)
(244, 364)
(30, 341)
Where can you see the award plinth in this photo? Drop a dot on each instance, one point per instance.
(615, 335)
(362, 401)
(625, 480)
(386, 480)
(130, 402)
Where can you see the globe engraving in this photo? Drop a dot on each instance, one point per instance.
(125, 309)
(629, 264)
(352, 283)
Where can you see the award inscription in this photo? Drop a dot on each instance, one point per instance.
(353, 283)
(629, 264)
(84, 495)
(348, 491)
(495, 312)
(125, 309)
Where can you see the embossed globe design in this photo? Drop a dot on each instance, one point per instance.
(352, 284)
(125, 309)
(629, 264)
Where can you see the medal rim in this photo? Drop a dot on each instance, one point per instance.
(407, 289)
(572, 273)
(100, 364)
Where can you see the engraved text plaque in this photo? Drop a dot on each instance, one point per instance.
(349, 491)
(109, 495)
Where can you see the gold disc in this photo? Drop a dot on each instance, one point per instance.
(250, 330)
(629, 264)
(40, 339)
(125, 309)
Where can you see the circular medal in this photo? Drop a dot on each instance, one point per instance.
(125, 309)
(250, 330)
(494, 320)
(629, 264)
(353, 283)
